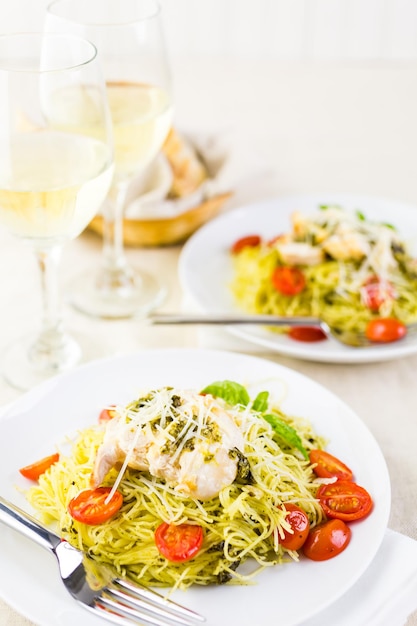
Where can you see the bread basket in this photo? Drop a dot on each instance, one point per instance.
(188, 195)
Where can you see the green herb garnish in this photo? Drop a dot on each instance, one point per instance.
(286, 432)
(236, 394)
(233, 393)
(260, 403)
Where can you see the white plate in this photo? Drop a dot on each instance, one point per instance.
(205, 268)
(295, 592)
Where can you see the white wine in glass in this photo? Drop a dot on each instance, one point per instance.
(52, 180)
(129, 38)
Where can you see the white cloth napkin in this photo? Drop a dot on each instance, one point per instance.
(229, 163)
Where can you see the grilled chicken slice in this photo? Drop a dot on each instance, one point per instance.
(181, 436)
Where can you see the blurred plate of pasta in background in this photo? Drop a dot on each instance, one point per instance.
(33, 426)
(341, 269)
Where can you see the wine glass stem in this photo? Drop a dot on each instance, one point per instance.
(114, 257)
(116, 275)
(48, 262)
(50, 348)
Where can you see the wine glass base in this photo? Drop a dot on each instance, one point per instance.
(117, 295)
(23, 372)
(23, 369)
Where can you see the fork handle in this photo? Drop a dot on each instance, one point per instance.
(225, 318)
(27, 525)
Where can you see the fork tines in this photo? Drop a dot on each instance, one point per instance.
(122, 602)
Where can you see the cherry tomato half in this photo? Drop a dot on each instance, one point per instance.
(250, 241)
(328, 466)
(327, 540)
(90, 506)
(344, 500)
(178, 543)
(288, 280)
(309, 334)
(300, 524)
(375, 292)
(385, 330)
(35, 470)
(106, 415)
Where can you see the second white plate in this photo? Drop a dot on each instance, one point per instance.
(205, 268)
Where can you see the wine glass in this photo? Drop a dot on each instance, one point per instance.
(129, 38)
(56, 167)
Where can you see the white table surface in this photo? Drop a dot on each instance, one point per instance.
(333, 127)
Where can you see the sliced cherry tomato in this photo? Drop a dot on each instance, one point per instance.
(375, 292)
(250, 241)
(300, 524)
(344, 500)
(385, 330)
(288, 280)
(178, 543)
(309, 334)
(328, 466)
(35, 470)
(327, 540)
(91, 507)
(106, 415)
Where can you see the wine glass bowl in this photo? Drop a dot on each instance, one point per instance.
(129, 38)
(55, 171)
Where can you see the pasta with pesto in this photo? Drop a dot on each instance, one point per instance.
(216, 459)
(349, 271)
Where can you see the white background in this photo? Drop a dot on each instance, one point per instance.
(302, 29)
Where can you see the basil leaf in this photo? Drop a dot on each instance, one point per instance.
(286, 432)
(261, 402)
(233, 393)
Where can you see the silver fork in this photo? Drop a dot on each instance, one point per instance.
(347, 337)
(96, 587)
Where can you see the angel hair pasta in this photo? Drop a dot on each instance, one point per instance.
(215, 462)
(334, 265)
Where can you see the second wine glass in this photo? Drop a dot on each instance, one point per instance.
(129, 38)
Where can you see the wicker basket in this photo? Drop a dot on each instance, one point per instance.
(168, 231)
